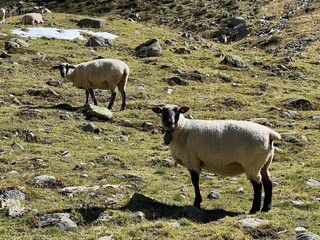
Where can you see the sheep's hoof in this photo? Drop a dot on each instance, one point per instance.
(265, 209)
(253, 211)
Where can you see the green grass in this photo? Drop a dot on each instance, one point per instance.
(142, 151)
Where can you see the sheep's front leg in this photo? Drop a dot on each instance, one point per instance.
(113, 97)
(195, 182)
(257, 187)
(93, 97)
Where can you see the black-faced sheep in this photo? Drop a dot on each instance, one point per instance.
(32, 18)
(224, 147)
(98, 74)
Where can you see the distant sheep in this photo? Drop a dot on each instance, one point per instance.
(98, 74)
(224, 147)
(32, 18)
(2, 15)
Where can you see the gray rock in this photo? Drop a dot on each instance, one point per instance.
(105, 238)
(302, 234)
(54, 83)
(233, 60)
(45, 181)
(89, 22)
(313, 183)
(128, 176)
(90, 127)
(96, 41)
(213, 195)
(17, 146)
(61, 220)
(299, 103)
(290, 114)
(251, 222)
(13, 194)
(138, 215)
(99, 112)
(182, 50)
(151, 48)
(174, 80)
(235, 21)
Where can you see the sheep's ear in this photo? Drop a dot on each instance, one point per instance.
(72, 66)
(56, 67)
(183, 110)
(157, 109)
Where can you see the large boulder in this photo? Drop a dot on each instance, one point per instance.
(151, 48)
(89, 22)
(96, 41)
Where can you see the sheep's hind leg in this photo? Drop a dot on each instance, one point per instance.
(267, 185)
(195, 182)
(93, 97)
(113, 97)
(257, 187)
(87, 97)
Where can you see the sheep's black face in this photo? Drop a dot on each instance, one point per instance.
(170, 118)
(170, 115)
(64, 69)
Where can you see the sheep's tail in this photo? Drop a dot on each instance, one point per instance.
(122, 84)
(274, 136)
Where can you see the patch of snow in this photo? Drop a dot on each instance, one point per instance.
(59, 33)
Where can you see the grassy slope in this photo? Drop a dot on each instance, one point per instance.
(291, 168)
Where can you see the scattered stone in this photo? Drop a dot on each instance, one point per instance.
(169, 43)
(138, 216)
(80, 166)
(299, 103)
(46, 181)
(54, 83)
(90, 127)
(99, 112)
(290, 114)
(251, 222)
(105, 238)
(96, 41)
(17, 146)
(89, 22)
(234, 61)
(302, 234)
(31, 137)
(182, 51)
(240, 190)
(65, 154)
(174, 224)
(313, 183)
(16, 211)
(73, 190)
(213, 195)
(61, 220)
(224, 77)
(128, 176)
(151, 48)
(300, 204)
(5, 55)
(174, 80)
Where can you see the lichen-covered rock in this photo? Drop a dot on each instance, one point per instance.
(151, 48)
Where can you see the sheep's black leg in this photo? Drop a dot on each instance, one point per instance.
(113, 97)
(257, 187)
(267, 185)
(87, 96)
(123, 95)
(195, 182)
(93, 97)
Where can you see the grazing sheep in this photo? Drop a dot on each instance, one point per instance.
(102, 74)
(32, 18)
(2, 15)
(224, 147)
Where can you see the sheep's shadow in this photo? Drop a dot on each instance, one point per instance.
(153, 209)
(65, 106)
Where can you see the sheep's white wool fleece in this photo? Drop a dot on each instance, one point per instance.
(101, 74)
(225, 147)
